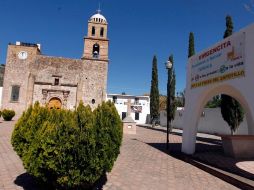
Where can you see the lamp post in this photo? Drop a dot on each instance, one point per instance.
(168, 65)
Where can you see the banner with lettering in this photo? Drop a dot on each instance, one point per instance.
(224, 61)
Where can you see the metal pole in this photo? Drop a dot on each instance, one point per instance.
(168, 105)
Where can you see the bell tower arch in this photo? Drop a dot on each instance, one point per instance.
(96, 41)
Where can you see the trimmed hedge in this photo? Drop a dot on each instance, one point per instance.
(8, 114)
(68, 149)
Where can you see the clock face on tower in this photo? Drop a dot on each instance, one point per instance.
(22, 55)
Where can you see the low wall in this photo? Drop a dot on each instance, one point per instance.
(210, 122)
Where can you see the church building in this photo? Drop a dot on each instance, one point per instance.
(58, 82)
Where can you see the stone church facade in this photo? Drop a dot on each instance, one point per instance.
(58, 82)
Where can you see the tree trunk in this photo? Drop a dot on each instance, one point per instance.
(232, 132)
(170, 126)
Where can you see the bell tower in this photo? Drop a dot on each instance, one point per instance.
(96, 41)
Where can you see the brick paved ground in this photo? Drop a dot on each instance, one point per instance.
(10, 164)
(141, 165)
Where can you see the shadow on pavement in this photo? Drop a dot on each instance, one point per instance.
(100, 183)
(209, 164)
(28, 182)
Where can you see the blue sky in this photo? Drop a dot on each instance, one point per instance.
(138, 29)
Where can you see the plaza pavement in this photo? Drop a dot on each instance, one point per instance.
(141, 165)
(10, 164)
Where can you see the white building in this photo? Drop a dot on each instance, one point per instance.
(140, 106)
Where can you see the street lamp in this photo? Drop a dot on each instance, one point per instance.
(168, 65)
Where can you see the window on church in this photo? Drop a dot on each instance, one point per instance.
(15, 93)
(102, 32)
(56, 81)
(96, 50)
(93, 31)
(136, 116)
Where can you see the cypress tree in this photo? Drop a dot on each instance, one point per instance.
(154, 92)
(172, 106)
(229, 27)
(191, 51)
(231, 110)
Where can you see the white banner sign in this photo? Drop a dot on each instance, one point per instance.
(224, 61)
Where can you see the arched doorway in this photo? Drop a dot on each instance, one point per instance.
(55, 103)
(211, 125)
(194, 111)
(211, 121)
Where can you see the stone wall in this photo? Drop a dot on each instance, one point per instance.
(2, 68)
(17, 72)
(98, 27)
(79, 79)
(210, 122)
(90, 40)
(68, 101)
(88, 51)
(67, 81)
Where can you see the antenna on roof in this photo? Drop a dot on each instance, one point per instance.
(99, 10)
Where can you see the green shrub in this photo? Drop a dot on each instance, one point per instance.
(27, 126)
(67, 148)
(8, 114)
(108, 126)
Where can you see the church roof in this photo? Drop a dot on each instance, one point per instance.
(98, 18)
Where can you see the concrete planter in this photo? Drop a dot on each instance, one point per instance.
(238, 146)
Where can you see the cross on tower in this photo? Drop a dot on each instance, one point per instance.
(129, 104)
(99, 10)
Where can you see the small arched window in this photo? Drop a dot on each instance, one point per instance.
(96, 50)
(102, 32)
(93, 31)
